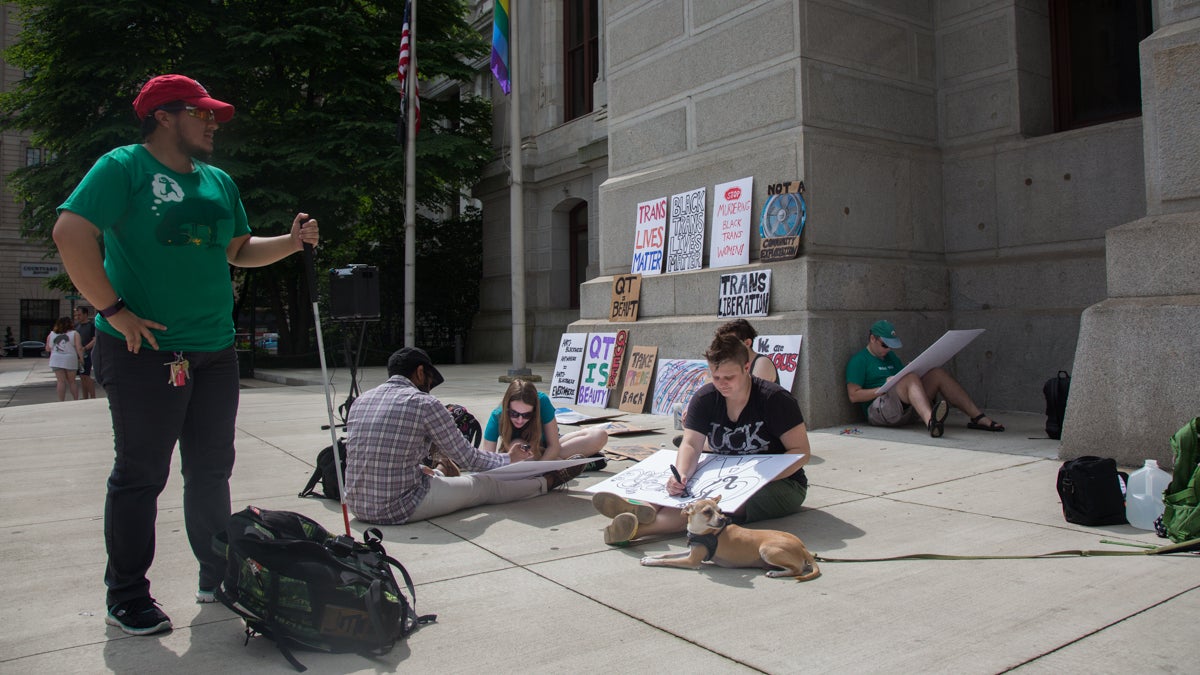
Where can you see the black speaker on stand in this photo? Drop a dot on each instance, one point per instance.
(353, 298)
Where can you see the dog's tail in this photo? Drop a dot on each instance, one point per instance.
(811, 563)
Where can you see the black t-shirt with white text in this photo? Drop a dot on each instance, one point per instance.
(770, 412)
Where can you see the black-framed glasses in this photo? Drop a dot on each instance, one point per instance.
(514, 415)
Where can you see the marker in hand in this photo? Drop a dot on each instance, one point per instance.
(675, 472)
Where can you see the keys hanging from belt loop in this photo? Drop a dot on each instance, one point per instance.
(178, 371)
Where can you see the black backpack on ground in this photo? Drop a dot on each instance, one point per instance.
(295, 583)
(1056, 390)
(466, 423)
(1092, 491)
(326, 474)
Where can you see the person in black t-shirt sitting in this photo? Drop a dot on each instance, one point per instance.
(734, 414)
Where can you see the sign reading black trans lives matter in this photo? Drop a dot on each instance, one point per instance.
(685, 246)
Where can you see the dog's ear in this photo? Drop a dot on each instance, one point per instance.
(716, 499)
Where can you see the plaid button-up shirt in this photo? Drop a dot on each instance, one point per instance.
(390, 429)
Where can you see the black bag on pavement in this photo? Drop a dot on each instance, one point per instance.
(326, 474)
(1055, 391)
(295, 583)
(1092, 491)
(466, 423)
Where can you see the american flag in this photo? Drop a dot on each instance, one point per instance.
(402, 69)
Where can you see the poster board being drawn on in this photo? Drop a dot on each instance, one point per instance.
(935, 355)
(734, 477)
(784, 352)
(597, 365)
(564, 384)
(685, 244)
(675, 382)
(636, 387)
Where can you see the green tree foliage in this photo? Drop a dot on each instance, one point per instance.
(315, 129)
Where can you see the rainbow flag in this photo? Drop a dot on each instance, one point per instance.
(500, 34)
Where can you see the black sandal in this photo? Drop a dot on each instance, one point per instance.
(974, 424)
(937, 419)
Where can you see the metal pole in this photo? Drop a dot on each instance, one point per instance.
(516, 200)
(410, 187)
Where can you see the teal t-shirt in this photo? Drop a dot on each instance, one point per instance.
(165, 237)
(869, 371)
(545, 410)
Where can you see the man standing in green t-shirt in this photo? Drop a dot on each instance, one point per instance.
(913, 396)
(171, 224)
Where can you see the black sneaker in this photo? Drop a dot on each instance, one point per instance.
(140, 616)
(598, 464)
(558, 479)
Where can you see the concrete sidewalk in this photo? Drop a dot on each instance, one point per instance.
(530, 586)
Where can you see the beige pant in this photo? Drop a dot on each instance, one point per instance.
(447, 495)
(889, 411)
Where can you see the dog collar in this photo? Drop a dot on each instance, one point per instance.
(708, 541)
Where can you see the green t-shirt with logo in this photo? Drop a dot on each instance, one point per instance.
(165, 237)
(869, 371)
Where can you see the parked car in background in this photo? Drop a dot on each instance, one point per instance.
(26, 348)
(269, 342)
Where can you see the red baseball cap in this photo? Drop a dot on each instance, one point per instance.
(164, 89)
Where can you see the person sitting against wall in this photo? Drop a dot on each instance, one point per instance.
(514, 424)
(913, 396)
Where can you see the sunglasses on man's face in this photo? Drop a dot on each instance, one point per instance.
(514, 415)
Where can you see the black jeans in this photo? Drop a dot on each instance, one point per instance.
(149, 415)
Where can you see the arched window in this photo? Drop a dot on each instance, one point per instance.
(578, 236)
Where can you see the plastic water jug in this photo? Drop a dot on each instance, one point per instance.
(1143, 499)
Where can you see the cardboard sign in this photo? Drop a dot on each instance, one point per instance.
(649, 237)
(618, 358)
(636, 386)
(784, 352)
(565, 383)
(935, 355)
(677, 380)
(685, 246)
(597, 362)
(745, 294)
(626, 294)
(731, 223)
(778, 248)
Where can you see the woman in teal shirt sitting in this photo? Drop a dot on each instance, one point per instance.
(512, 423)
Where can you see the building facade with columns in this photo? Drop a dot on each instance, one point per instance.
(967, 165)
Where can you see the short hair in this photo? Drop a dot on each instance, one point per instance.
(84, 310)
(739, 327)
(149, 123)
(63, 324)
(727, 347)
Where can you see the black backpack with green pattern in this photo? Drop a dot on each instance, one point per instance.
(295, 583)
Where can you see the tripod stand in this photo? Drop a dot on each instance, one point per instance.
(353, 355)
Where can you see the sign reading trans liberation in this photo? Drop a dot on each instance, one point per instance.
(745, 294)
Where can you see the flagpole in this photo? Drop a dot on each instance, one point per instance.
(516, 202)
(410, 187)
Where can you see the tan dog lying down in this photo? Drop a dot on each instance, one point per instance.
(711, 537)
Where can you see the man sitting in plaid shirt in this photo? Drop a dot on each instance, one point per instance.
(392, 428)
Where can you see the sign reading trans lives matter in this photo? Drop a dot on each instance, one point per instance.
(735, 477)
